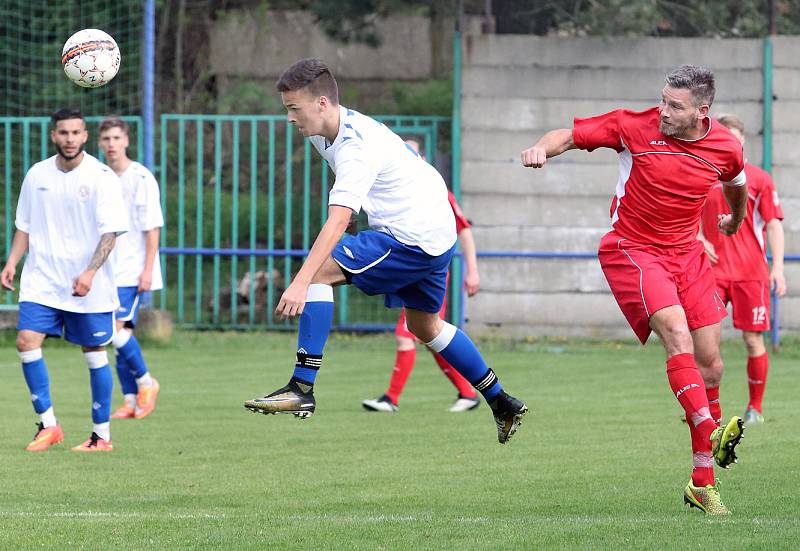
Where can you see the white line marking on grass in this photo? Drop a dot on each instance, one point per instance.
(123, 515)
(378, 519)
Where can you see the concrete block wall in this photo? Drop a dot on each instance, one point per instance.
(516, 88)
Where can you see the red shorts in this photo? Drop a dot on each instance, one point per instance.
(750, 302)
(644, 279)
(401, 329)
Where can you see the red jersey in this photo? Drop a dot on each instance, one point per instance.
(663, 181)
(742, 256)
(461, 220)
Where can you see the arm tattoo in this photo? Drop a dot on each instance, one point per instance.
(102, 251)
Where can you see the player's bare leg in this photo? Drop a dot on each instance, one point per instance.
(457, 348)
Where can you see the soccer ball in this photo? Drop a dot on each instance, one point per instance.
(90, 58)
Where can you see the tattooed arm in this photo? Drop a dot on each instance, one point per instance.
(82, 285)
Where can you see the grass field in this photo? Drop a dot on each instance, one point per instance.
(600, 462)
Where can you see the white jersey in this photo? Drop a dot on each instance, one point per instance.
(64, 215)
(143, 205)
(401, 193)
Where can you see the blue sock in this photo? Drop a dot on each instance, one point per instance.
(102, 382)
(460, 352)
(127, 380)
(315, 324)
(131, 352)
(37, 378)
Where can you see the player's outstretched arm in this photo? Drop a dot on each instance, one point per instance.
(776, 247)
(293, 299)
(551, 144)
(736, 196)
(472, 279)
(83, 284)
(18, 247)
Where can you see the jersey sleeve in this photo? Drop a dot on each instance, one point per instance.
(355, 175)
(733, 173)
(600, 131)
(23, 217)
(461, 220)
(147, 202)
(110, 206)
(769, 204)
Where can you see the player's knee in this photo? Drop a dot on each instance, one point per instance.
(754, 343)
(27, 342)
(121, 338)
(404, 343)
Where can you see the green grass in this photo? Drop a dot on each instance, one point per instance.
(600, 462)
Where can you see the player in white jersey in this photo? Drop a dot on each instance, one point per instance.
(137, 267)
(405, 256)
(69, 214)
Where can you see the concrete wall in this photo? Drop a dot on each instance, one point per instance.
(515, 88)
(258, 45)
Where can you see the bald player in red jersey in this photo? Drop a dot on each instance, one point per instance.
(406, 352)
(670, 156)
(743, 276)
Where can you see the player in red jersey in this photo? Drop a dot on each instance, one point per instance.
(670, 156)
(743, 276)
(406, 353)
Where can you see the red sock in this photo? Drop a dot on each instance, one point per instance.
(713, 404)
(403, 364)
(465, 389)
(688, 387)
(757, 379)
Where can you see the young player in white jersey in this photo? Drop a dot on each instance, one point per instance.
(69, 214)
(137, 267)
(405, 256)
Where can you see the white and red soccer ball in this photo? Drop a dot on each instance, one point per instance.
(90, 58)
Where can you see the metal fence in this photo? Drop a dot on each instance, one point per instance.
(243, 198)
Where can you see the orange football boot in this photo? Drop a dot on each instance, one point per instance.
(45, 437)
(146, 399)
(94, 444)
(124, 412)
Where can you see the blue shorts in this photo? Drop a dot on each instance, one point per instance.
(129, 300)
(379, 264)
(93, 329)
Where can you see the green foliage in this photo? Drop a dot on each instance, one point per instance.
(687, 18)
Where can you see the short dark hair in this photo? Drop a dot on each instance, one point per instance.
(113, 122)
(65, 114)
(731, 121)
(313, 74)
(698, 80)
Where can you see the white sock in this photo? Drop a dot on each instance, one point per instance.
(48, 418)
(130, 400)
(103, 430)
(145, 380)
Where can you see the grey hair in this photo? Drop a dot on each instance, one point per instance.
(698, 80)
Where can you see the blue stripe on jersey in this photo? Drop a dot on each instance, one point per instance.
(347, 125)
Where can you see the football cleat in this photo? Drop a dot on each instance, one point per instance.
(724, 441)
(465, 404)
(706, 499)
(752, 417)
(290, 399)
(94, 444)
(124, 412)
(381, 404)
(146, 399)
(45, 437)
(508, 412)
